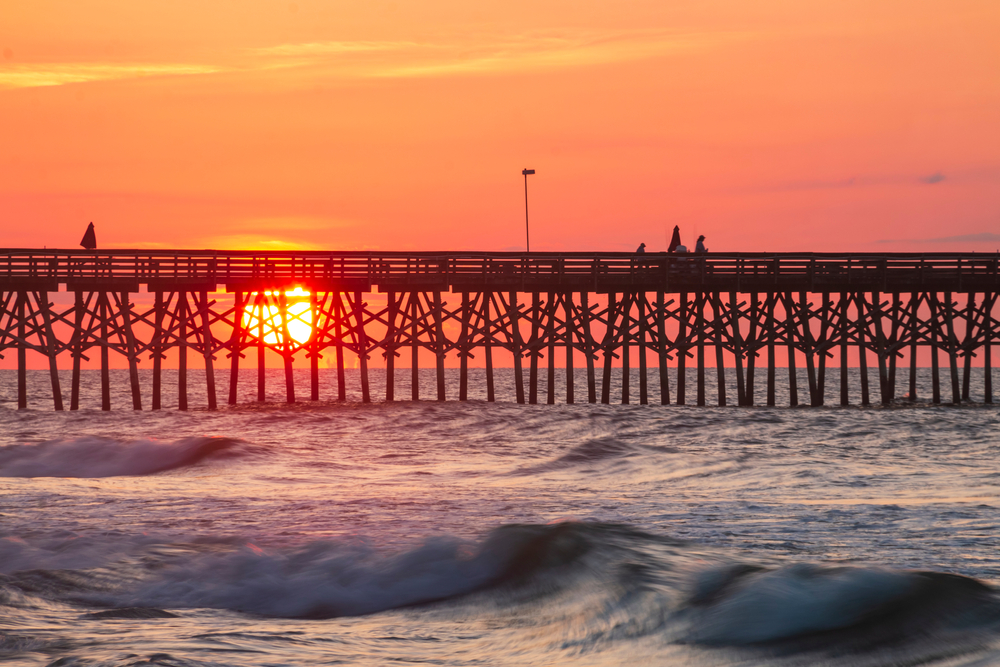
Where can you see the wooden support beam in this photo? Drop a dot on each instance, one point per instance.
(262, 309)
(22, 360)
(517, 347)
(567, 298)
(236, 346)
(990, 299)
(550, 334)
(588, 349)
(208, 345)
(489, 301)
(608, 348)
(932, 301)
(414, 347)
(720, 362)
(661, 330)
(862, 329)
(51, 348)
(340, 331)
(182, 346)
(949, 318)
(790, 329)
(844, 385)
(914, 329)
(626, 335)
(533, 351)
(968, 346)
(700, 343)
(641, 348)
(893, 346)
(772, 300)
(390, 348)
(824, 333)
(751, 347)
(157, 348)
(125, 311)
(440, 344)
(285, 347)
(808, 348)
(314, 354)
(77, 350)
(880, 347)
(104, 310)
(463, 351)
(362, 347)
(734, 323)
(682, 349)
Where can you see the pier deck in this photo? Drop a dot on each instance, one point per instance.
(606, 309)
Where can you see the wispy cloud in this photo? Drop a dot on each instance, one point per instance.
(57, 74)
(860, 182)
(329, 48)
(545, 52)
(450, 55)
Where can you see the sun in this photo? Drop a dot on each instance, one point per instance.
(297, 316)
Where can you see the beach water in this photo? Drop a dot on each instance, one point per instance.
(493, 533)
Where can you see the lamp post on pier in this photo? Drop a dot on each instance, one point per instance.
(527, 235)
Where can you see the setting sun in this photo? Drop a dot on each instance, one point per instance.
(296, 316)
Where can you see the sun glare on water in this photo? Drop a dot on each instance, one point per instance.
(297, 316)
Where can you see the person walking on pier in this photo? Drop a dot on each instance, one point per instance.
(89, 238)
(700, 246)
(675, 240)
(641, 249)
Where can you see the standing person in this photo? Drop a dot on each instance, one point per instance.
(641, 249)
(700, 246)
(675, 240)
(89, 238)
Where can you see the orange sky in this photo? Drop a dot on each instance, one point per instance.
(764, 124)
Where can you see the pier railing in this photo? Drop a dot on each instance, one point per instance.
(523, 271)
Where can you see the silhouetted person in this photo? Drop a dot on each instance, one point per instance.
(89, 238)
(675, 240)
(641, 249)
(700, 247)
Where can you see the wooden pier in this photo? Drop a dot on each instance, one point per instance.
(603, 310)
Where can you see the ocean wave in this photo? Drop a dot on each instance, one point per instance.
(588, 452)
(613, 581)
(333, 579)
(95, 456)
(744, 604)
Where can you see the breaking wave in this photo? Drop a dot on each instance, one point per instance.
(94, 456)
(614, 579)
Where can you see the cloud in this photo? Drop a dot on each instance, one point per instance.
(482, 54)
(858, 182)
(450, 55)
(981, 237)
(329, 48)
(57, 74)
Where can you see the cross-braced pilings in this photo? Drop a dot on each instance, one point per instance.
(709, 314)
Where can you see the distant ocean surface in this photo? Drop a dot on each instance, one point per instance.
(496, 534)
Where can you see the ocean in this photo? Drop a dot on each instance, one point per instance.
(475, 533)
